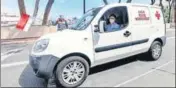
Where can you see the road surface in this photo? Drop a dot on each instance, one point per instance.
(128, 72)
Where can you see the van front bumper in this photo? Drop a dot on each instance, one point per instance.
(43, 66)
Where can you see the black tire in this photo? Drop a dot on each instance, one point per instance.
(150, 54)
(60, 67)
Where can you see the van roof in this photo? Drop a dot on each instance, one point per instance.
(130, 4)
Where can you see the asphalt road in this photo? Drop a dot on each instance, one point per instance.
(128, 72)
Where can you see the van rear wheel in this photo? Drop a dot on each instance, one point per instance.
(155, 51)
(72, 71)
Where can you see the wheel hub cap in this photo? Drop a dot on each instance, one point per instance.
(156, 51)
(73, 72)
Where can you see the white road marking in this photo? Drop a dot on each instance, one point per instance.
(14, 64)
(4, 56)
(150, 71)
(171, 38)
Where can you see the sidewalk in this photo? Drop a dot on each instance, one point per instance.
(18, 41)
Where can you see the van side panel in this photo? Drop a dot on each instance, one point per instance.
(158, 23)
(157, 20)
(141, 28)
(147, 24)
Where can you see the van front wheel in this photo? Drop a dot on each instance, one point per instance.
(155, 51)
(72, 71)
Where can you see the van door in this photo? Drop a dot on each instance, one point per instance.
(110, 44)
(141, 29)
(158, 23)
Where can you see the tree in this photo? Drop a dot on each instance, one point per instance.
(152, 2)
(161, 4)
(170, 2)
(36, 8)
(47, 11)
(129, 1)
(105, 1)
(21, 6)
(166, 13)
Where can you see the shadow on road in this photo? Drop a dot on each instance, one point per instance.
(111, 65)
(28, 78)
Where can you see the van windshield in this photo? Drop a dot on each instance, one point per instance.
(85, 20)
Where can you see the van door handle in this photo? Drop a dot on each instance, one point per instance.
(152, 26)
(127, 33)
(85, 39)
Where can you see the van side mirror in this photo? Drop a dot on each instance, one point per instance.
(96, 28)
(102, 26)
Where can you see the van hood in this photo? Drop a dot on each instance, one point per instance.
(67, 33)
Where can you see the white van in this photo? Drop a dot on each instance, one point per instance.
(94, 40)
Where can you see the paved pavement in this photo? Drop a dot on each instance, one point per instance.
(128, 72)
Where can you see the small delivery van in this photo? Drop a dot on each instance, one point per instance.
(70, 53)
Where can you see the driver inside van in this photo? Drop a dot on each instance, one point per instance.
(112, 26)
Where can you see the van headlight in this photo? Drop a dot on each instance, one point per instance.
(41, 45)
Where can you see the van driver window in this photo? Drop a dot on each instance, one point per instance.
(116, 19)
(112, 26)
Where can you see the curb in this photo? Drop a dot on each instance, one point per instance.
(18, 40)
(15, 42)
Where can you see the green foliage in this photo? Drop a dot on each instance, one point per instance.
(166, 13)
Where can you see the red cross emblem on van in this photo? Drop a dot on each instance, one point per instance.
(157, 15)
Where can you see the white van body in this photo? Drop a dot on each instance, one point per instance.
(101, 47)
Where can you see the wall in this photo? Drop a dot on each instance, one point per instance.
(34, 31)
